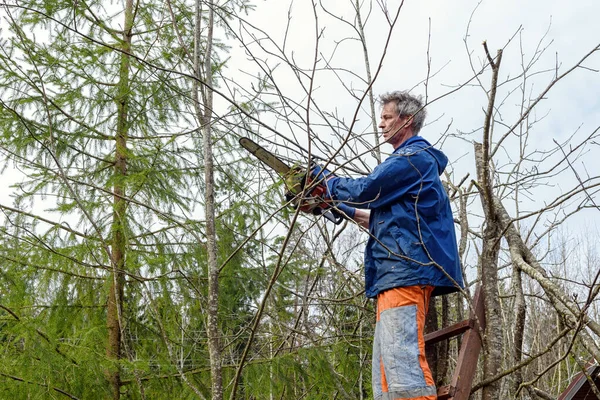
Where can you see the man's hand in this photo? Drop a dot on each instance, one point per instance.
(346, 209)
(294, 180)
(313, 200)
(319, 173)
(296, 177)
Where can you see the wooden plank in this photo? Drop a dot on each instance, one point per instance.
(573, 391)
(466, 365)
(448, 332)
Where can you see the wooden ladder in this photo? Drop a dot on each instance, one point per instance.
(466, 366)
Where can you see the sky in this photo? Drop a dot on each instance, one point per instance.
(448, 35)
(546, 37)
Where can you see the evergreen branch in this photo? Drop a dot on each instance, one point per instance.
(41, 334)
(60, 225)
(16, 378)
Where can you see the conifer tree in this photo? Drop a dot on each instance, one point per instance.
(104, 254)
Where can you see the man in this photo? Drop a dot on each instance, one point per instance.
(411, 253)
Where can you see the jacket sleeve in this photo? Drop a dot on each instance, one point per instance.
(389, 181)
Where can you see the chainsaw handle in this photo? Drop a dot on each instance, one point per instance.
(333, 216)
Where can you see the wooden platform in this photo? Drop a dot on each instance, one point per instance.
(466, 365)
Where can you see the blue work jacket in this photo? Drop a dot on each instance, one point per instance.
(412, 239)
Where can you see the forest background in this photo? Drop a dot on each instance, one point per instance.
(145, 256)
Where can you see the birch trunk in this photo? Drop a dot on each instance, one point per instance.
(203, 73)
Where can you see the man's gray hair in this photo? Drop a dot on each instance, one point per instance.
(407, 105)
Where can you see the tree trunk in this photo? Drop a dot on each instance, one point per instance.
(493, 314)
(204, 73)
(119, 239)
(493, 343)
(520, 309)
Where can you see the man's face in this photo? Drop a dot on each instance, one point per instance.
(394, 129)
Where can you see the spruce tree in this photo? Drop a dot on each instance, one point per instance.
(103, 248)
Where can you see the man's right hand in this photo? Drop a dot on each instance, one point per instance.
(294, 181)
(313, 201)
(319, 173)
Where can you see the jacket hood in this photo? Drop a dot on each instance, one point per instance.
(419, 143)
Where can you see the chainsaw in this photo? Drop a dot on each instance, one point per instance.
(314, 197)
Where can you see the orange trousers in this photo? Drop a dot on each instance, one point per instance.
(400, 370)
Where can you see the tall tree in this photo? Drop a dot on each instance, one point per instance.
(203, 69)
(96, 118)
(114, 321)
